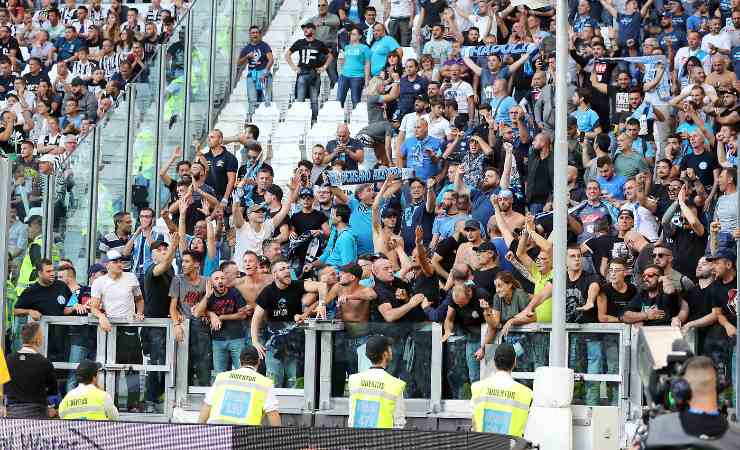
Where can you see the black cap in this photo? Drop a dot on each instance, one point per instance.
(505, 356)
(723, 253)
(96, 268)
(471, 224)
(306, 192)
(423, 97)
(485, 247)
(376, 345)
(88, 369)
(77, 81)
(158, 243)
(352, 268)
(389, 212)
(626, 211)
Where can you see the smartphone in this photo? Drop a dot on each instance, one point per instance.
(582, 136)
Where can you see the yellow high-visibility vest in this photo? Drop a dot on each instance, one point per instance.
(500, 405)
(88, 404)
(27, 268)
(372, 400)
(238, 397)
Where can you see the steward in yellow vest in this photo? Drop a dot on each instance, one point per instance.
(241, 396)
(34, 253)
(87, 401)
(500, 404)
(375, 396)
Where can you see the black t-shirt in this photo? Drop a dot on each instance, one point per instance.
(616, 302)
(724, 296)
(387, 294)
(6, 82)
(576, 294)
(484, 279)
(31, 379)
(281, 305)
(352, 144)
(470, 316)
(700, 302)
(12, 44)
(156, 293)
(428, 286)
(542, 189)
(228, 303)
(610, 247)
(48, 300)
(311, 54)
(303, 222)
(218, 168)
(32, 81)
(447, 248)
(688, 248)
(668, 303)
(703, 166)
(619, 102)
(13, 144)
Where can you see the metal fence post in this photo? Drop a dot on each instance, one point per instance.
(211, 67)
(5, 174)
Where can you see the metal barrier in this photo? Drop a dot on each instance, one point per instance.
(140, 353)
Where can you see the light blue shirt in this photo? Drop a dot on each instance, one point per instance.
(413, 151)
(361, 223)
(355, 57)
(380, 50)
(501, 106)
(587, 120)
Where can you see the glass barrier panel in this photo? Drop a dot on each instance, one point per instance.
(222, 67)
(136, 393)
(461, 367)
(412, 355)
(594, 354)
(259, 16)
(112, 169)
(285, 348)
(72, 207)
(71, 344)
(200, 354)
(144, 130)
(200, 55)
(243, 20)
(141, 345)
(172, 128)
(532, 349)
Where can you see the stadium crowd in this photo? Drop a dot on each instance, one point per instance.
(652, 148)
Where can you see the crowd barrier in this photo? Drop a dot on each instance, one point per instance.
(317, 358)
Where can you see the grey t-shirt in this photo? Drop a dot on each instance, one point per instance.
(187, 294)
(726, 212)
(519, 301)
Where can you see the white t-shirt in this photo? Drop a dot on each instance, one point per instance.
(117, 296)
(438, 128)
(721, 40)
(248, 239)
(271, 402)
(408, 123)
(481, 23)
(645, 222)
(460, 91)
(400, 8)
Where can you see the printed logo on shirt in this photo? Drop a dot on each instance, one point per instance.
(61, 300)
(732, 301)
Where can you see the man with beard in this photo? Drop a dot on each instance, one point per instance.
(593, 210)
(720, 342)
(385, 240)
(474, 237)
(353, 308)
(250, 286)
(417, 208)
(186, 291)
(409, 118)
(657, 303)
(281, 304)
(701, 317)
(304, 222)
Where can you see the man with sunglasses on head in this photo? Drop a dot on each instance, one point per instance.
(657, 303)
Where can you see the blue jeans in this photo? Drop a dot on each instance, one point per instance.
(536, 208)
(308, 85)
(536, 347)
(601, 357)
(81, 348)
(254, 94)
(462, 367)
(283, 369)
(157, 338)
(225, 350)
(354, 85)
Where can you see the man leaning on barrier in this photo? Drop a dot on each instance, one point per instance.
(500, 404)
(87, 401)
(241, 396)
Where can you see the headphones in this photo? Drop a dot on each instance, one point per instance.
(679, 393)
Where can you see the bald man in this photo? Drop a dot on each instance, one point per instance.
(345, 148)
(422, 152)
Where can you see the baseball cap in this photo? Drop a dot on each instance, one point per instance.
(396, 116)
(33, 212)
(376, 345)
(77, 81)
(422, 97)
(305, 192)
(389, 212)
(309, 25)
(485, 247)
(158, 243)
(471, 224)
(628, 212)
(353, 269)
(505, 193)
(96, 268)
(723, 253)
(87, 369)
(256, 208)
(113, 255)
(48, 158)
